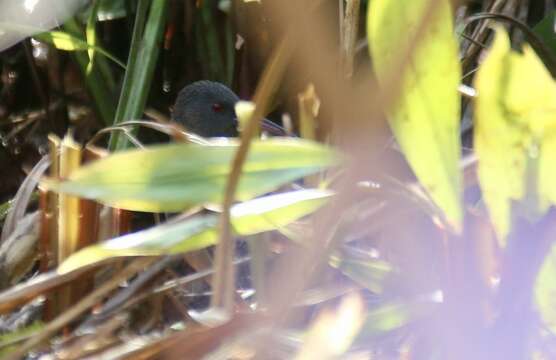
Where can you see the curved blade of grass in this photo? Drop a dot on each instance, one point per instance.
(515, 135)
(248, 218)
(175, 176)
(426, 115)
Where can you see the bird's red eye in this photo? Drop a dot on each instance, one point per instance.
(216, 107)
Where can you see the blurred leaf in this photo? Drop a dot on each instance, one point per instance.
(68, 42)
(10, 340)
(63, 41)
(91, 35)
(545, 290)
(176, 176)
(21, 19)
(425, 118)
(546, 30)
(370, 273)
(112, 10)
(248, 218)
(208, 44)
(515, 133)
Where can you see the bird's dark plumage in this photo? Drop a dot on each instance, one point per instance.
(206, 108)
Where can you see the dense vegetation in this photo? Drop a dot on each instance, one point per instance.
(409, 214)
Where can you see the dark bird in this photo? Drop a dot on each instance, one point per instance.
(206, 108)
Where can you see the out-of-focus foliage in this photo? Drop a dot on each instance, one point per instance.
(247, 218)
(20, 19)
(426, 113)
(515, 134)
(175, 177)
(65, 41)
(546, 30)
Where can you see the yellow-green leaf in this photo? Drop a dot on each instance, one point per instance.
(68, 42)
(425, 117)
(62, 40)
(248, 218)
(91, 34)
(515, 117)
(176, 176)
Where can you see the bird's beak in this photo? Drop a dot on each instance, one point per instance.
(270, 128)
(273, 129)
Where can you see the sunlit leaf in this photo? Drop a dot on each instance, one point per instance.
(426, 115)
(63, 41)
(515, 133)
(176, 176)
(251, 217)
(68, 42)
(20, 19)
(545, 290)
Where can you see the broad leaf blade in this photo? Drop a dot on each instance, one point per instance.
(515, 133)
(176, 176)
(248, 218)
(546, 31)
(426, 115)
(63, 40)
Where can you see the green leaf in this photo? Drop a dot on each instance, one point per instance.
(62, 40)
(545, 29)
(370, 273)
(10, 340)
(141, 63)
(248, 218)
(515, 133)
(68, 42)
(91, 34)
(176, 176)
(545, 290)
(425, 118)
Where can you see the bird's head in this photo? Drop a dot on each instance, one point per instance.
(206, 108)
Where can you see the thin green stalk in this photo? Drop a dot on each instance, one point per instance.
(145, 46)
